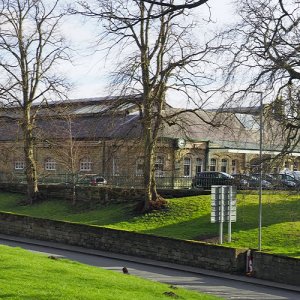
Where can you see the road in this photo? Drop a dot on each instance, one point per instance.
(226, 288)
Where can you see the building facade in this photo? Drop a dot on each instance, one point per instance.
(84, 137)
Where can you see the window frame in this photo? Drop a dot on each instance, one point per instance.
(21, 163)
(116, 166)
(199, 165)
(213, 166)
(224, 165)
(187, 167)
(50, 164)
(139, 166)
(159, 166)
(234, 165)
(85, 164)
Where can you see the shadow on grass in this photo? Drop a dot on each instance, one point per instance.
(274, 212)
(247, 219)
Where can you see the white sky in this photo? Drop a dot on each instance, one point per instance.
(89, 72)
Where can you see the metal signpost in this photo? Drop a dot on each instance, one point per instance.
(223, 207)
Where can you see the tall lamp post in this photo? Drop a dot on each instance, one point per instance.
(261, 127)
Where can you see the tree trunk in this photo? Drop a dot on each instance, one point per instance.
(149, 169)
(31, 171)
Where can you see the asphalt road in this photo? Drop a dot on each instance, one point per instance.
(223, 287)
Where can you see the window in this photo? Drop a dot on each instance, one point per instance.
(159, 166)
(139, 167)
(213, 165)
(116, 167)
(296, 166)
(85, 165)
(234, 166)
(224, 163)
(187, 167)
(50, 164)
(19, 165)
(199, 165)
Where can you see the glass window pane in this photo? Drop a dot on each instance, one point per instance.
(50, 164)
(187, 167)
(85, 164)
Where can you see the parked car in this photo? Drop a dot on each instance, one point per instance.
(244, 181)
(241, 181)
(92, 179)
(98, 180)
(206, 179)
(267, 180)
(285, 181)
(296, 175)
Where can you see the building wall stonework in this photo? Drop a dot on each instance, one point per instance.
(125, 158)
(62, 158)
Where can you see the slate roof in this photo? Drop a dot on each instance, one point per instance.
(228, 131)
(84, 127)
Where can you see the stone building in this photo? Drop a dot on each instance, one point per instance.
(88, 136)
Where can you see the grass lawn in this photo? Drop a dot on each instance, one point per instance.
(25, 275)
(188, 218)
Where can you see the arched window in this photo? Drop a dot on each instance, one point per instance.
(159, 166)
(199, 165)
(50, 164)
(187, 164)
(85, 164)
(234, 166)
(139, 167)
(213, 165)
(116, 166)
(224, 165)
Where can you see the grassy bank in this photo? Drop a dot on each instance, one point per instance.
(188, 218)
(25, 275)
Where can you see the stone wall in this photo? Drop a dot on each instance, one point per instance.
(87, 194)
(94, 194)
(189, 253)
(276, 268)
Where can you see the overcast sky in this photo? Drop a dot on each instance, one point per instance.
(89, 72)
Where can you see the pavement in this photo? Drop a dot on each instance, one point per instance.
(150, 262)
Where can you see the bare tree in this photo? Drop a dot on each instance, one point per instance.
(265, 57)
(64, 146)
(171, 7)
(157, 54)
(30, 49)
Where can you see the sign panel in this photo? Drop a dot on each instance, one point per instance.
(223, 204)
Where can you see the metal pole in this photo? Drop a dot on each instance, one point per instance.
(221, 214)
(260, 171)
(229, 211)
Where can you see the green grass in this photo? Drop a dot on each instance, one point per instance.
(188, 218)
(25, 275)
